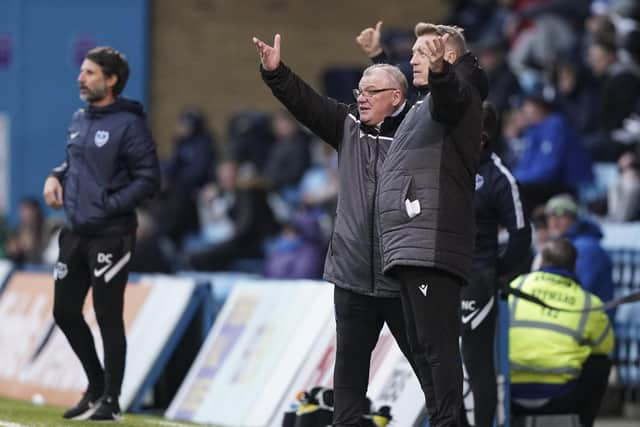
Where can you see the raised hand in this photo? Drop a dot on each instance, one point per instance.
(435, 47)
(269, 55)
(369, 40)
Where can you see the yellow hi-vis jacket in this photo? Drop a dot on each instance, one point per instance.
(550, 346)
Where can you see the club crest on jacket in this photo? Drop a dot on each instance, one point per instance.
(101, 138)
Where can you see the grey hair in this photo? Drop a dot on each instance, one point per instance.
(393, 72)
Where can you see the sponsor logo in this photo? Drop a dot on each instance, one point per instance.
(101, 138)
(423, 288)
(103, 259)
(74, 135)
(468, 317)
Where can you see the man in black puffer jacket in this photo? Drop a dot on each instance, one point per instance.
(111, 167)
(364, 297)
(426, 209)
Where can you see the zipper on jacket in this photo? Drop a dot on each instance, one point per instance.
(373, 213)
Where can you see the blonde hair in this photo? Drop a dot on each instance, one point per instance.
(393, 72)
(456, 38)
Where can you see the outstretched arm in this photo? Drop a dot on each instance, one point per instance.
(449, 96)
(322, 115)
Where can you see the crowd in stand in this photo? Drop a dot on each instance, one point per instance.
(564, 76)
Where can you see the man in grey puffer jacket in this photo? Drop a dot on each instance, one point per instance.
(426, 209)
(364, 298)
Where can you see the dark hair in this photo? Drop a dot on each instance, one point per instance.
(112, 63)
(559, 253)
(489, 123)
(604, 43)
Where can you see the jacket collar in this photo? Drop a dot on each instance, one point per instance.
(561, 272)
(390, 124)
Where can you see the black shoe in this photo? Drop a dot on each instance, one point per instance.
(85, 408)
(108, 410)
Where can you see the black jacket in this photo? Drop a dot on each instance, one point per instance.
(353, 259)
(111, 167)
(431, 166)
(497, 203)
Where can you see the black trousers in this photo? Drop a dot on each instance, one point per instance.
(584, 399)
(359, 320)
(99, 263)
(431, 304)
(479, 314)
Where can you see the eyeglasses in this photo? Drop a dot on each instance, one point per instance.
(368, 93)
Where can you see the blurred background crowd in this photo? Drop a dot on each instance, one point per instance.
(258, 195)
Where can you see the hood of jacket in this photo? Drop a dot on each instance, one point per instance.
(469, 69)
(584, 227)
(120, 105)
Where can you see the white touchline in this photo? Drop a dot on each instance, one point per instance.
(165, 423)
(10, 424)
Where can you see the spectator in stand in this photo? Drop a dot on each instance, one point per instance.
(624, 194)
(619, 94)
(298, 251)
(250, 138)
(593, 265)
(191, 165)
(251, 217)
(289, 158)
(504, 88)
(26, 243)
(185, 172)
(543, 31)
(503, 84)
(153, 252)
(540, 228)
(553, 160)
(576, 97)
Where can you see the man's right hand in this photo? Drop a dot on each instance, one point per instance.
(369, 40)
(52, 192)
(269, 56)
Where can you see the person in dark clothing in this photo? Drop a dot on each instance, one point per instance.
(111, 168)
(619, 93)
(251, 217)
(192, 163)
(497, 204)
(503, 83)
(290, 156)
(426, 209)
(576, 97)
(365, 299)
(185, 172)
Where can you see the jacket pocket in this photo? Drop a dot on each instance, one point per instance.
(409, 203)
